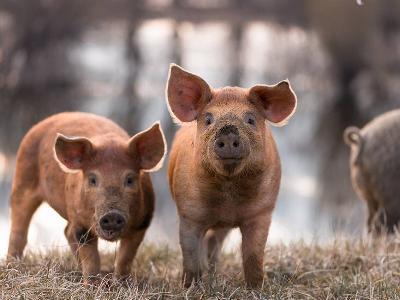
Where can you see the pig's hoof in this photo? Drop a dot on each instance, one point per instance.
(189, 279)
(12, 259)
(254, 284)
(122, 279)
(92, 281)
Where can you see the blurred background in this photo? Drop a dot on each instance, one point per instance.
(111, 57)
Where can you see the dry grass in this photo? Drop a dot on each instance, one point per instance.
(343, 269)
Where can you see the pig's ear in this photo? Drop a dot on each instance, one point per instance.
(149, 147)
(71, 153)
(278, 101)
(187, 94)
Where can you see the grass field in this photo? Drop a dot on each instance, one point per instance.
(343, 269)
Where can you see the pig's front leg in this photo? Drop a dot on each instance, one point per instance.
(90, 261)
(84, 245)
(126, 254)
(72, 241)
(190, 237)
(254, 238)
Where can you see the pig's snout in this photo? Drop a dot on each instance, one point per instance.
(227, 144)
(112, 221)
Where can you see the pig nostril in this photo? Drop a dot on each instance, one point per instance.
(112, 221)
(221, 144)
(235, 144)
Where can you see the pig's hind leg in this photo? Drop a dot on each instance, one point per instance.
(389, 217)
(373, 222)
(214, 240)
(24, 202)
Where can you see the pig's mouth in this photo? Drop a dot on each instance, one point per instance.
(230, 165)
(109, 235)
(229, 160)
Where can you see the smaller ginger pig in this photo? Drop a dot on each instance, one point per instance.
(93, 175)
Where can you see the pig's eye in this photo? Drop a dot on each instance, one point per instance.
(250, 119)
(209, 119)
(92, 180)
(129, 181)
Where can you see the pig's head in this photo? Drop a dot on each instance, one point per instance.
(232, 135)
(109, 170)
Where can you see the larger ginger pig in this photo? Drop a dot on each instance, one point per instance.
(224, 169)
(95, 176)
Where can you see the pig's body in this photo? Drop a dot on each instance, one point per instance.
(217, 201)
(39, 177)
(375, 168)
(224, 168)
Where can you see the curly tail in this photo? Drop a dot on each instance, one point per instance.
(351, 136)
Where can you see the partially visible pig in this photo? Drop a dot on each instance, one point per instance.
(224, 169)
(95, 176)
(375, 169)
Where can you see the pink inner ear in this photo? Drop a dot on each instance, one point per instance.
(189, 92)
(185, 96)
(71, 154)
(278, 109)
(146, 153)
(142, 147)
(71, 163)
(278, 101)
(150, 148)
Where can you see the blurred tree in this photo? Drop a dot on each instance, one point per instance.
(36, 77)
(127, 111)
